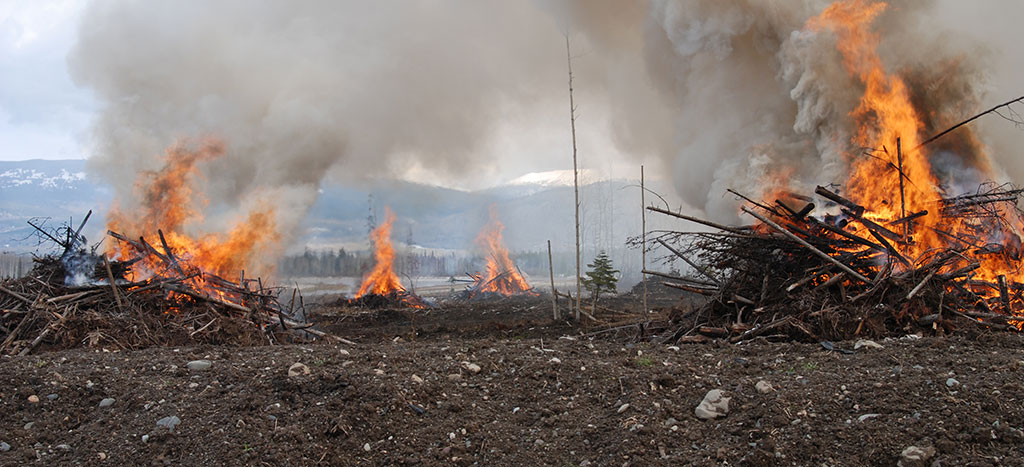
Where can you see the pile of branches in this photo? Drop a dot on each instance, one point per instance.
(391, 300)
(80, 298)
(482, 288)
(798, 275)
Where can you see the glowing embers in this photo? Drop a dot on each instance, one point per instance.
(501, 277)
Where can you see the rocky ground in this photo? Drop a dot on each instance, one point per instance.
(524, 394)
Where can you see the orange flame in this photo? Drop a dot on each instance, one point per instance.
(501, 276)
(382, 280)
(886, 112)
(169, 204)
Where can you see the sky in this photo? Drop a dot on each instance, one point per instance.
(43, 115)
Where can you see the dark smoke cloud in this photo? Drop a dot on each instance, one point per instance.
(724, 94)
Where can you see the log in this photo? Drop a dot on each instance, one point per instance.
(698, 221)
(691, 263)
(834, 197)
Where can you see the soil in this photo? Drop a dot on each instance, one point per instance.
(502, 384)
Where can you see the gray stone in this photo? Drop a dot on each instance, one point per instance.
(64, 447)
(29, 425)
(951, 382)
(199, 365)
(169, 422)
(867, 416)
(623, 408)
(4, 447)
(763, 387)
(52, 397)
(714, 405)
(107, 402)
(145, 438)
(914, 456)
(671, 422)
(471, 367)
(298, 369)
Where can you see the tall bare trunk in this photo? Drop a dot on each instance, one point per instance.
(575, 174)
(643, 235)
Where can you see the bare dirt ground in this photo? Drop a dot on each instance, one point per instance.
(504, 385)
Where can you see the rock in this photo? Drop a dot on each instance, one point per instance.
(471, 367)
(33, 399)
(555, 360)
(169, 422)
(4, 447)
(145, 438)
(29, 425)
(671, 422)
(454, 377)
(763, 387)
(344, 352)
(64, 447)
(52, 397)
(867, 344)
(951, 382)
(107, 402)
(366, 447)
(417, 379)
(199, 365)
(914, 456)
(867, 416)
(622, 408)
(714, 405)
(102, 456)
(298, 369)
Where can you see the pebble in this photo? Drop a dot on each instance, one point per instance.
(4, 447)
(951, 382)
(102, 456)
(471, 367)
(199, 365)
(64, 447)
(107, 402)
(366, 447)
(52, 397)
(671, 422)
(29, 425)
(622, 408)
(145, 438)
(867, 344)
(298, 369)
(169, 422)
(33, 399)
(763, 387)
(714, 405)
(914, 456)
(417, 379)
(555, 360)
(344, 352)
(868, 416)
(454, 377)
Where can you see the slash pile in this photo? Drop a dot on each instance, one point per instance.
(81, 298)
(808, 275)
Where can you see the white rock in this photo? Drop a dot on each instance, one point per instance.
(623, 408)
(199, 365)
(417, 379)
(866, 343)
(714, 405)
(555, 360)
(951, 382)
(366, 447)
(471, 367)
(344, 352)
(763, 387)
(914, 456)
(107, 402)
(298, 369)
(867, 416)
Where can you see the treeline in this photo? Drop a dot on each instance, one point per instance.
(13, 265)
(335, 263)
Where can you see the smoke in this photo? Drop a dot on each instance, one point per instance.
(735, 94)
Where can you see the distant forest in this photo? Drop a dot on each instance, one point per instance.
(334, 263)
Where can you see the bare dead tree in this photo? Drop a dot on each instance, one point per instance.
(575, 173)
(643, 236)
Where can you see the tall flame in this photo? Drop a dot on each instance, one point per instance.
(501, 275)
(169, 204)
(886, 112)
(382, 280)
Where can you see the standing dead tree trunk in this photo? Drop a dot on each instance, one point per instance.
(643, 235)
(575, 173)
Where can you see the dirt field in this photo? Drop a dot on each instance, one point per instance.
(513, 388)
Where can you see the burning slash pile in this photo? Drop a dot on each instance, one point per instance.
(889, 254)
(381, 288)
(83, 298)
(501, 277)
(138, 294)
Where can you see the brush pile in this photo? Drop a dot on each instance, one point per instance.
(391, 300)
(80, 298)
(840, 275)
